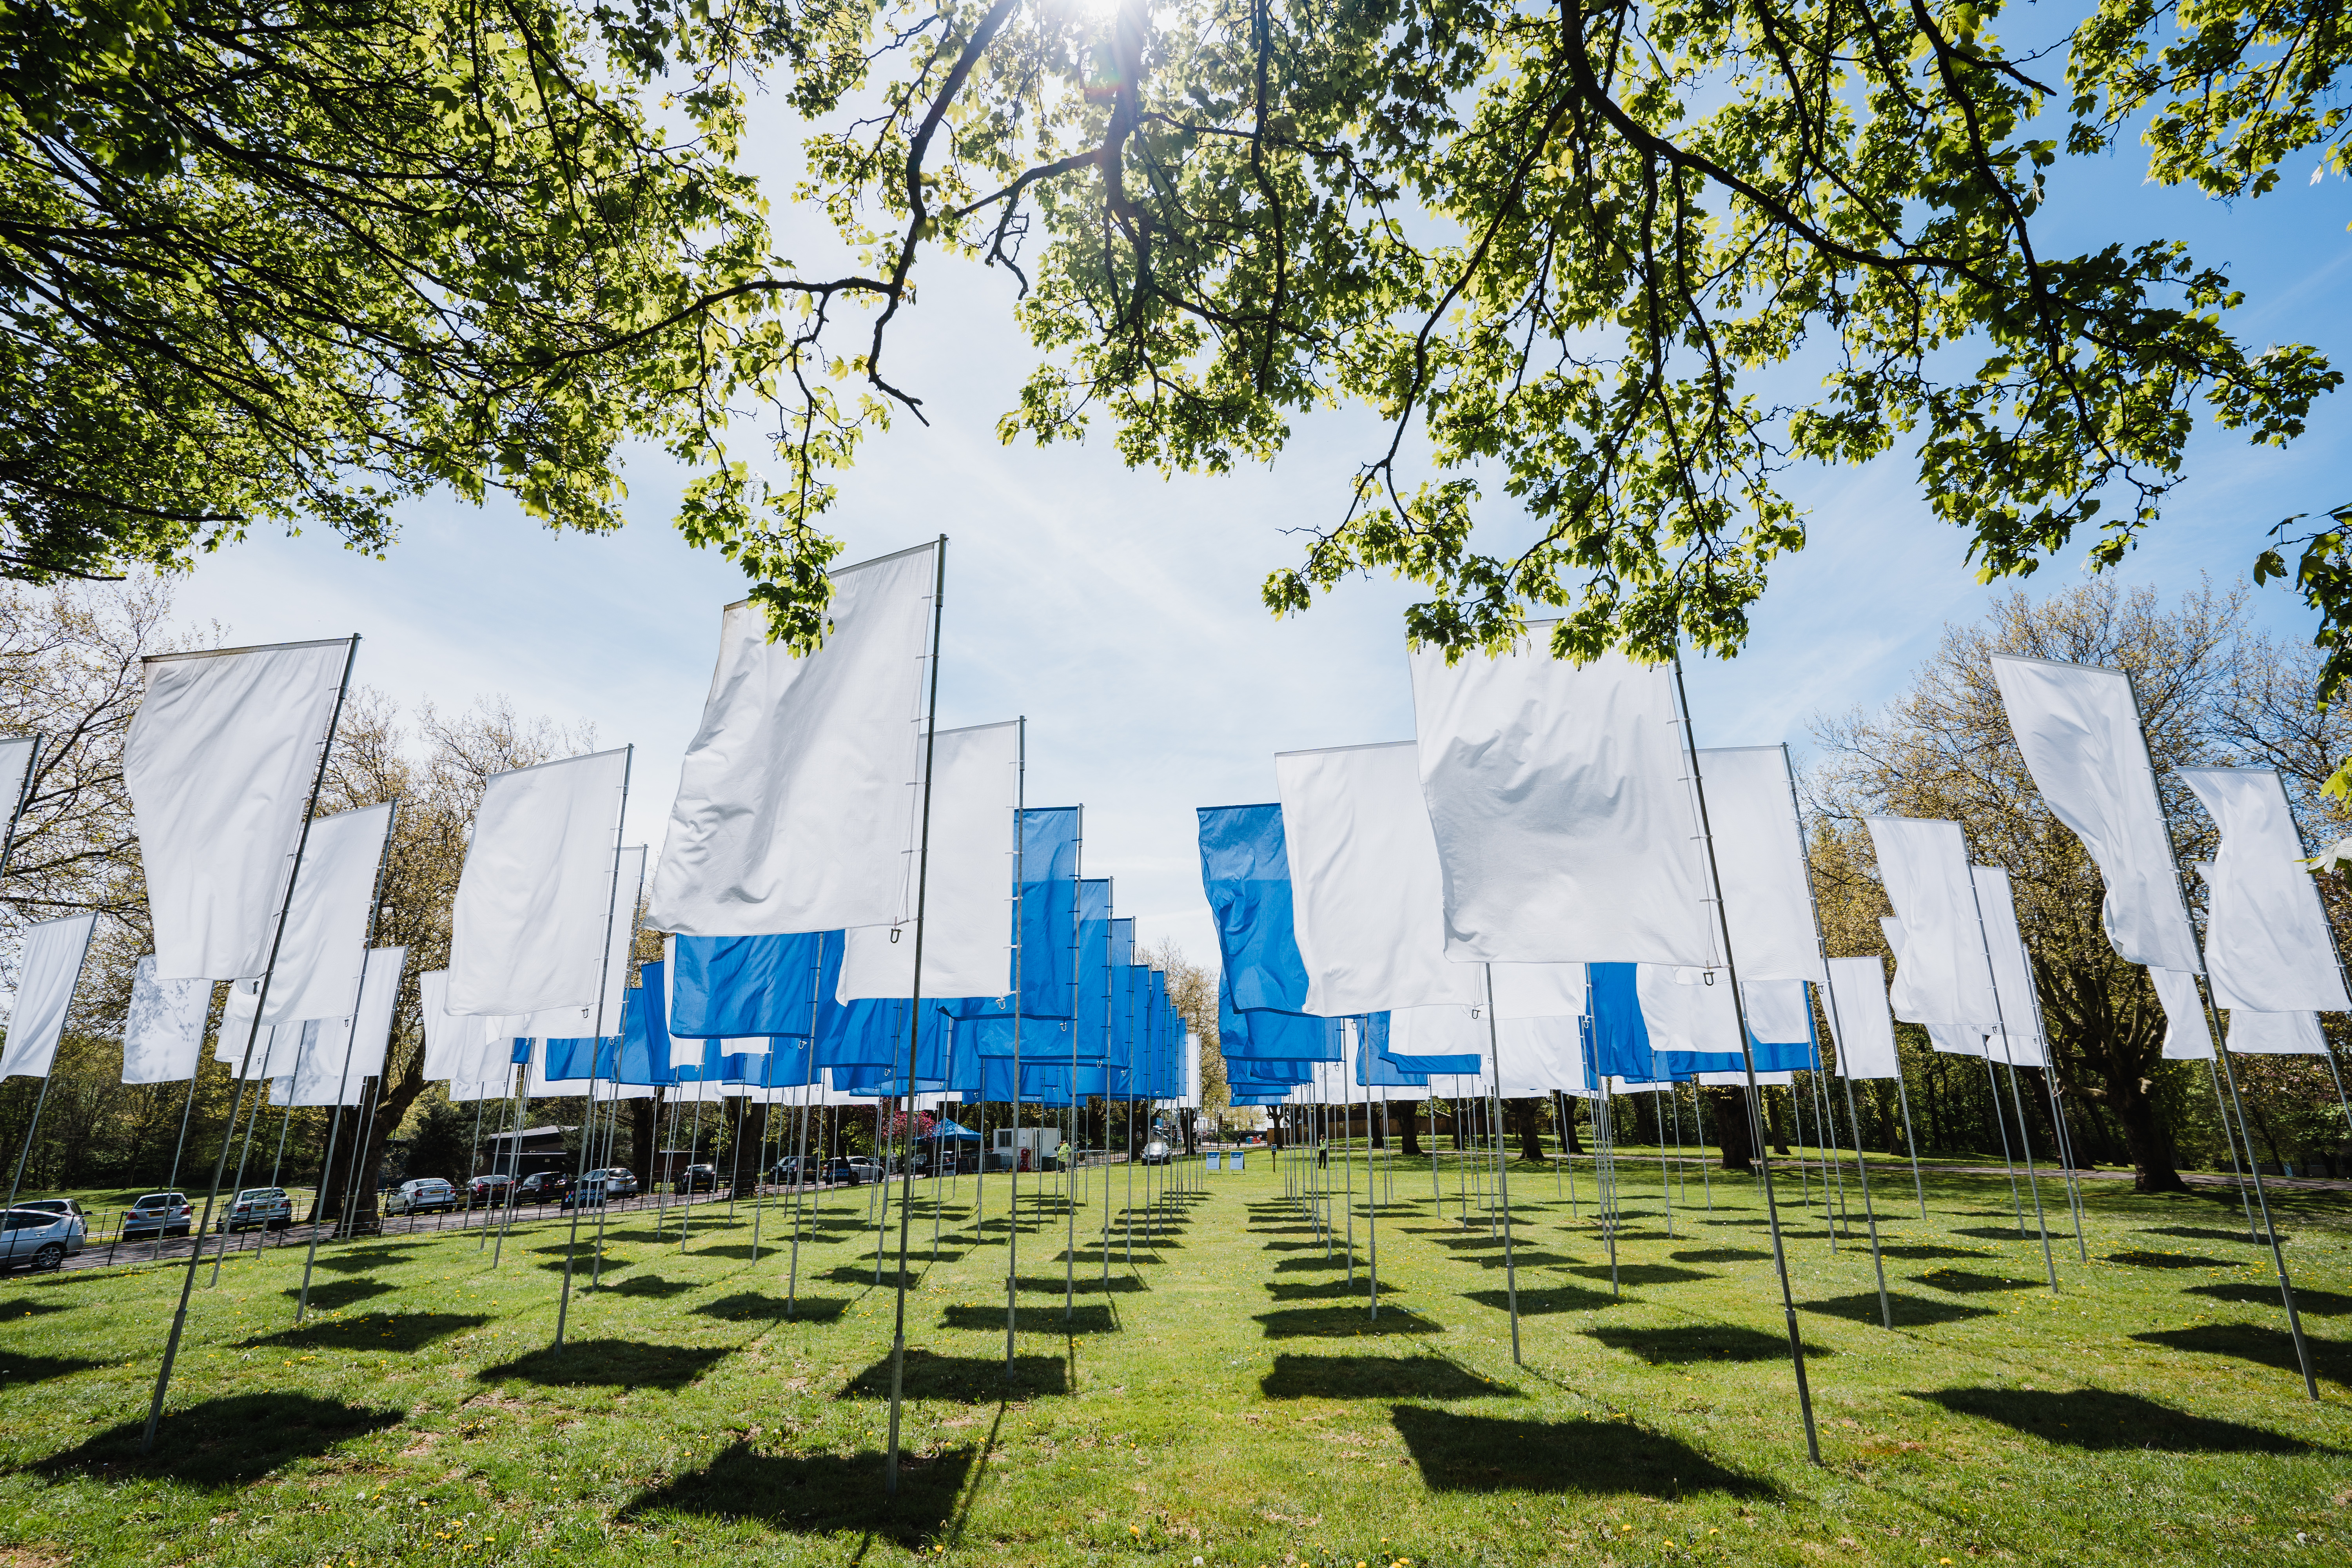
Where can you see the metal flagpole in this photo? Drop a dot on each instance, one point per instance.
(187, 1109)
(1910, 1137)
(1503, 1177)
(2009, 1058)
(7, 848)
(620, 1038)
(343, 1080)
(596, 1061)
(915, 1026)
(220, 1165)
(521, 1077)
(2229, 1069)
(1748, 1059)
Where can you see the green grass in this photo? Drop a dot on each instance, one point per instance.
(1227, 1397)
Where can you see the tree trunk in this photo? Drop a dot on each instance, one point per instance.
(1413, 1129)
(1528, 1114)
(1731, 1130)
(1778, 1128)
(643, 1117)
(1564, 1108)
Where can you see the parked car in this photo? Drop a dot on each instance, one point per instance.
(157, 1213)
(541, 1187)
(1156, 1153)
(423, 1195)
(861, 1168)
(259, 1209)
(697, 1179)
(619, 1182)
(490, 1189)
(786, 1171)
(38, 1238)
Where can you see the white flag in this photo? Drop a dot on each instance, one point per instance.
(1367, 895)
(2079, 731)
(163, 1033)
(15, 764)
(2187, 1037)
(1538, 1055)
(2012, 975)
(968, 896)
(1759, 853)
(1540, 989)
(2275, 1034)
(795, 807)
(1562, 811)
(1865, 1041)
(270, 1050)
(1940, 968)
(325, 947)
(529, 928)
(219, 762)
(54, 950)
(2267, 944)
(339, 1055)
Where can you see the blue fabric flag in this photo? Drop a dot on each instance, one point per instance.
(1621, 1039)
(742, 986)
(1376, 1039)
(1049, 912)
(1266, 1033)
(1246, 875)
(645, 1031)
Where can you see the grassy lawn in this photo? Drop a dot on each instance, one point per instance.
(1226, 1398)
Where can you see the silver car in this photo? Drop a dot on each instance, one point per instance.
(39, 1238)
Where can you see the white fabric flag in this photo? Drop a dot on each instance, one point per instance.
(16, 765)
(1780, 1013)
(2267, 944)
(219, 764)
(54, 950)
(1739, 1080)
(271, 1048)
(1682, 1013)
(1759, 853)
(968, 895)
(1956, 1039)
(2078, 728)
(450, 1041)
(2013, 978)
(1940, 970)
(2187, 1037)
(2275, 1034)
(796, 803)
(1367, 894)
(319, 963)
(534, 905)
(1865, 1044)
(163, 1033)
(1540, 989)
(1563, 818)
(580, 1022)
(1446, 1031)
(1539, 1055)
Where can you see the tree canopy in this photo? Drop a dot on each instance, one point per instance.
(1623, 263)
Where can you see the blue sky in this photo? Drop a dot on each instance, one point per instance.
(1120, 613)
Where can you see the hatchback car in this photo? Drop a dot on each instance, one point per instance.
(38, 1238)
(157, 1213)
(1156, 1153)
(541, 1187)
(618, 1183)
(424, 1194)
(259, 1209)
(697, 1179)
(487, 1189)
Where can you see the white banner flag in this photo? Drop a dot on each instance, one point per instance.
(1367, 895)
(163, 1033)
(325, 947)
(219, 762)
(1564, 819)
(1759, 853)
(2012, 975)
(1540, 989)
(2187, 1037)
(339, 1055)
(796, 803)
(16, 765)
(1865, 1047)
(2079, 731)
(2267, 944)
(967, 900)
(1940, 968)
(2275, 1034)
(534, 905)
(54, 950)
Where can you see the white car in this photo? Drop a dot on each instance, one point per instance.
(38, 1238)
(424, 1194)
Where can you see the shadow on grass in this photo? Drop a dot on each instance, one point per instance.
(1963, 1283)
(1340, 1323)
(2202, 1232)
(1721, 1255)
(652, 1285)
(1121, 1284)
(1922, 1251)
(373, 1331)
(2310, 1303)
(2267, 1344)
(1524, 1257)
(1317, 1263)
(818, 1494)
(2168, 1261)
(23, 1371)
(1644, 1273)
(223, 1442)
(1698, 1343)
(1494, 1454)
(1910, 1312)
(1034, 1319)
(608, 1363)
(863, 1275)
(358, 1260)
(1542, 1301)
(334, 1295)
(29, 1306)
(1993, 1232)
(2095, 1418)
(746, 1305)
(1327, 1290)
(968, 1379)
(1375, 1378)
